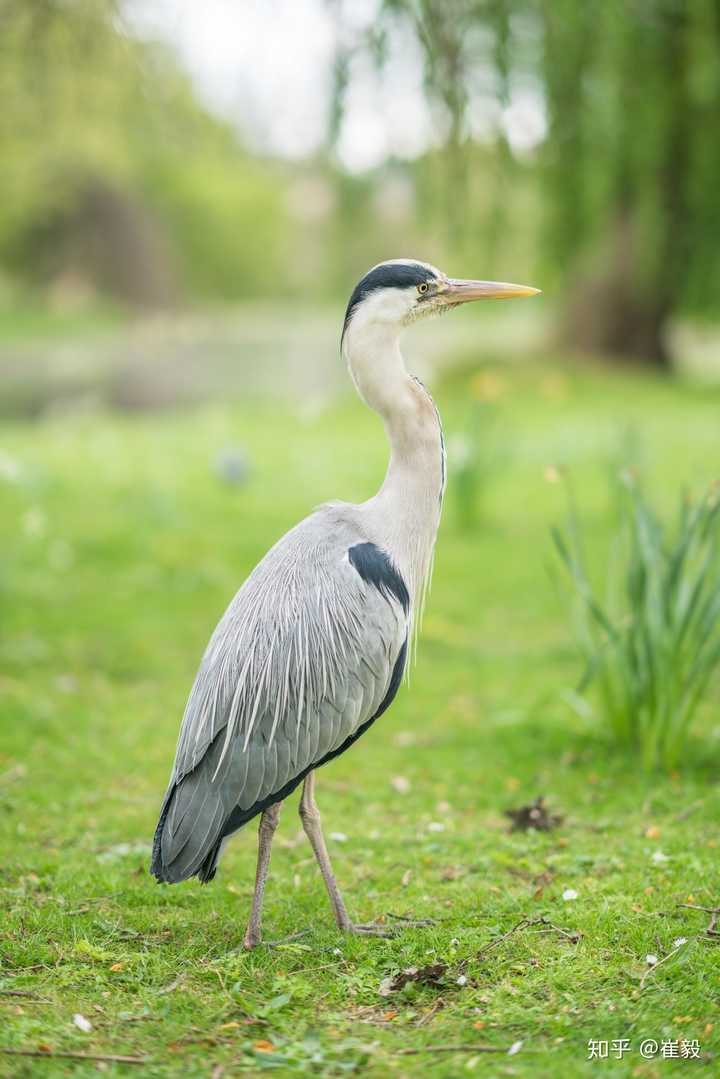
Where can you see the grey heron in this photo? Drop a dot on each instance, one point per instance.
(312, 649)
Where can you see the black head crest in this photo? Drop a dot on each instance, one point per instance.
(388, 275)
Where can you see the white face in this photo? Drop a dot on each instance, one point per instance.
(400, 306)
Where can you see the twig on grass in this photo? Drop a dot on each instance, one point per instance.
(653, 968)
(450, 1049)
(112, 1058)
(522, 924)
(415, 922)
(525, 923)
(570, 934)
(27, 993)
(692, 808)
(714, 912)
(172, 987)
(431, 1012)
(37, 1003)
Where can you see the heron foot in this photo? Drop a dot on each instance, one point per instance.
(411, 923)
(251, 940)
(378, 929)
(286, 940)
(371, 929)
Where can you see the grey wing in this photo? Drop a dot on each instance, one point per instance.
(305, 657)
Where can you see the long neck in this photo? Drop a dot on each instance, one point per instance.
(405, 512)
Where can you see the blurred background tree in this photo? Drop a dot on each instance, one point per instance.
(115, 180)
(558, 140)
(628, 166)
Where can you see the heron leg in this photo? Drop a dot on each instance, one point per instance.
(310, 816)
(266, 831)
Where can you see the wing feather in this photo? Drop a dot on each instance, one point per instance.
(302, 658)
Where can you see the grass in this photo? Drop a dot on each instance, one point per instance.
(652, 640)
(121, 548)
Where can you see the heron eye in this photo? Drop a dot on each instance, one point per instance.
(423, 287)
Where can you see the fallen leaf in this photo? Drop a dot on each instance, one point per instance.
(82, 1023)
(234, 1025)
(400, 784)
(263, 1046)
(533, 817)
(432, 974)
(405, 879)
(116, 967)
(653, 832)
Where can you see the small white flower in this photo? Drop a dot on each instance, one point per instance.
(569, 894)
(679, 941)
(462, 980)
(336, 951)
(514, 1048)
(400, 784)
(454, 942)
(436, 826)
(651, 960)
(339, 837)
(82, 1023)
(658, 857)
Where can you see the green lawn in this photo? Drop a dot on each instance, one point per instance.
(120, 548)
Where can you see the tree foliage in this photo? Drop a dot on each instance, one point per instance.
(630, 163)
(111, 168)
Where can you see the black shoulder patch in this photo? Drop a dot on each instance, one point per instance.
(387, 275)
(375, 568)
(395, 680)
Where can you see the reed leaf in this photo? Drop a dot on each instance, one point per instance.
(652, 647)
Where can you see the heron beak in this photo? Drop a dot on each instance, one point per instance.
(459, 291)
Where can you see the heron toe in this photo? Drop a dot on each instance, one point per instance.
(373, 929)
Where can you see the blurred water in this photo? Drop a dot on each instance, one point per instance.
(253, 351)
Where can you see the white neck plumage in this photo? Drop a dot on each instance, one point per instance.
(405, 513)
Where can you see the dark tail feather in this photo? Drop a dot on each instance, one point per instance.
(208, 869)
(189, 832)
(156, 864)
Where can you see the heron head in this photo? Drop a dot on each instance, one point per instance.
(402, 290)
